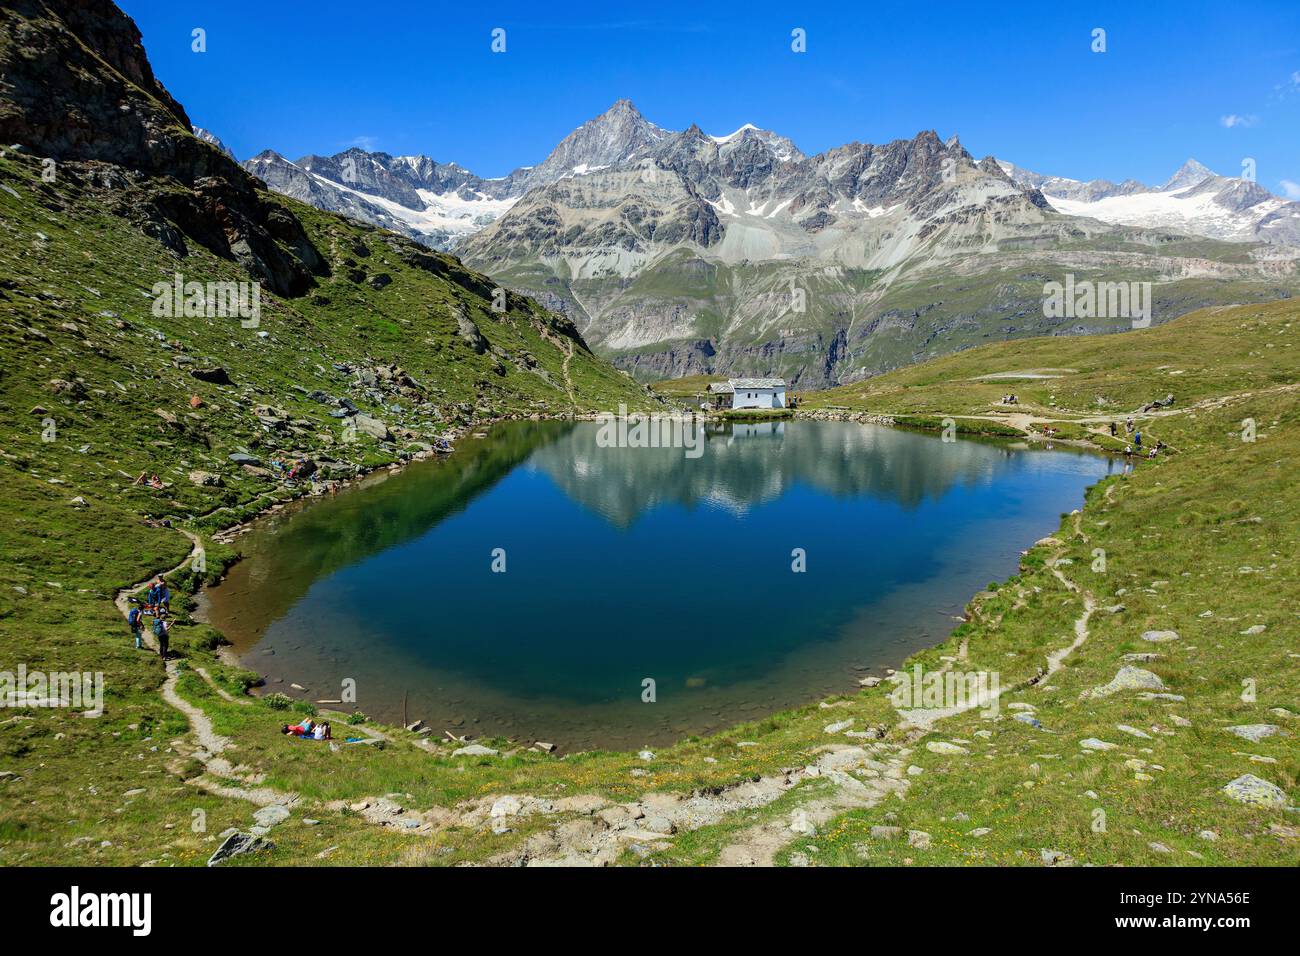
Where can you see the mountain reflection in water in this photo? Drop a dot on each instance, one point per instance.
(628, 563)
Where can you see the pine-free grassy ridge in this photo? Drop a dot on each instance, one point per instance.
(1187, 520)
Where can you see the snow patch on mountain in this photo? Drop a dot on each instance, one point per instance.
(1195, 200)
(730, 136)
(1182, 209)
(446, 213)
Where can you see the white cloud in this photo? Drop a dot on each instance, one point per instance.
(1290, 189)
(1235, 119)
(364, 142)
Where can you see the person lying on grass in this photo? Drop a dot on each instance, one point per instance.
(308, 729)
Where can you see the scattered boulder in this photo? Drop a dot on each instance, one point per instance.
(1159, 637)
(1254, 732)
(213, 376)
(371, 426)
(271, 815)
(799, 823)
(474, 750)
(943, 747)
(206, 479)
(1127, 678)
(238, 844)
(505, 807)
(1250, 789)
(470, 334)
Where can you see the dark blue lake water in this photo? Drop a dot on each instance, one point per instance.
(623, 564)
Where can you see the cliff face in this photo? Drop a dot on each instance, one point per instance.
(77, 88)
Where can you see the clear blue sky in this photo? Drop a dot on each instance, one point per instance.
(1219, 81)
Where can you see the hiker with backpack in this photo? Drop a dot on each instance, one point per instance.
(135, 620)
(162, 629)
(159, 597)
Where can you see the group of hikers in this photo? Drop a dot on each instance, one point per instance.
(1135, 448)
(1010, 400)
(158, 603)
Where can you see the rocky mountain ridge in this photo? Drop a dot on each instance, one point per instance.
(685, 252)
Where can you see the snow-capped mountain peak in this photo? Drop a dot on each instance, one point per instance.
(1191, 173)
(1195, 200)
(730, 136)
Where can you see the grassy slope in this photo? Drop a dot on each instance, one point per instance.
(1201, 542)
(1186, 520)
(74, 310)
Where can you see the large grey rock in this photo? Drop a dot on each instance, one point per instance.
(505, 807)
(271, 815)
(368, 425)
(1159, 637)
(943, 747)
(474, 750)
(470, 334)
(1127, 678)
(1250, 789)
(238, 844)
(1254, 732)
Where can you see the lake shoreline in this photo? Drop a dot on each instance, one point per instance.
(867, 659)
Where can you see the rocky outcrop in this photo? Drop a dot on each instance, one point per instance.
(76, 88)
